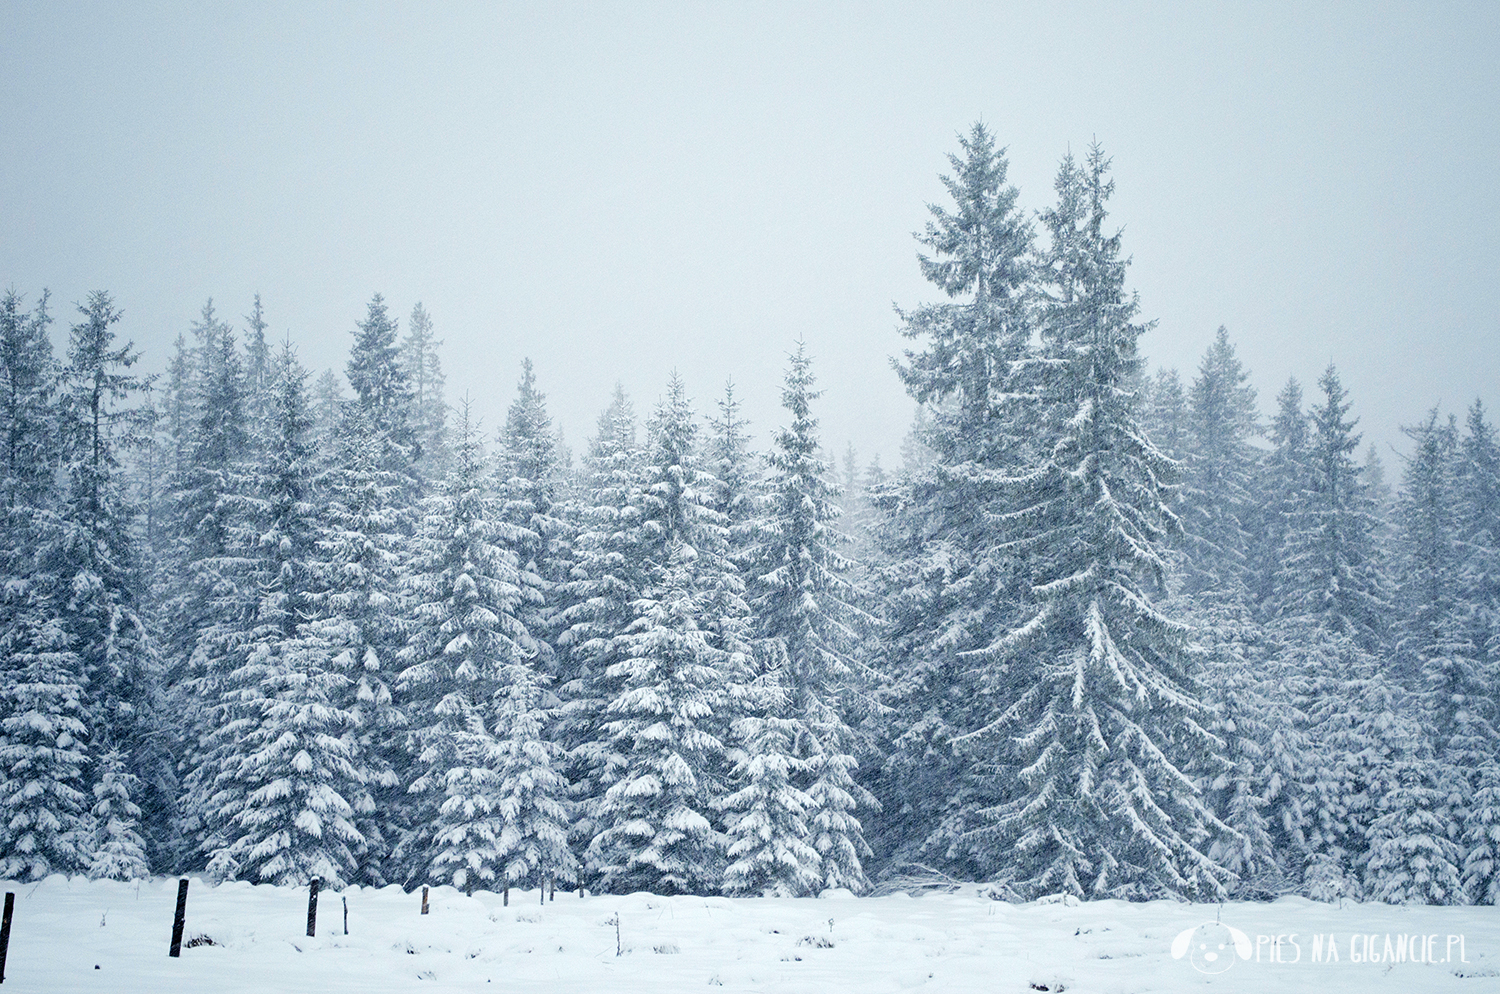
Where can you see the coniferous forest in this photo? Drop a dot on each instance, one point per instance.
(1105, 631)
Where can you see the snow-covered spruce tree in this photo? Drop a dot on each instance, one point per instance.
(1438, 763)
(1478, 528)
(260, 362)
(204, 590)
(232, 705)
(654, 819)
(311, 790)
(677, 684)
(369, 492)
(952, 582)
(1294, 786)
(767, 822)
(45, 826)
(607, 577)
(466, 589)
(300, 767)
(102, 612)
(216, 563)
(527, 488)
(734, 469)
(117, 849)
(1283, 477)
(1219, 477)
(1330, 568)
(357, 631)
(1330, 597)
(199, 592)
(1095, 717)
(424, 376)
(1164, 413)
(28, 425)
(29, 429)
(531, 804)
(383, 391)
(1210, 590)
(807, 616)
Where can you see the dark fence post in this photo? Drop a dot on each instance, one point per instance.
(424, 900)
(346, 916)
(10, 907)
(312, 907)
(179, 918)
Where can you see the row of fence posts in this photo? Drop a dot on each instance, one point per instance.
(179, 918)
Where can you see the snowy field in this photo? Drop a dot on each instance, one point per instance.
(77, 935)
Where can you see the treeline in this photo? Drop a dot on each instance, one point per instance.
(1101, 633)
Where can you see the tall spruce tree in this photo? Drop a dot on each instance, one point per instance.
(1478, 529)
(1329, 598)
(1330, 567)
(1414, 855)
(1220, 466)
(1212, 592)
(672, 691)
(807, 615)
(220, 570)
(528, 489)
(383, 393)
(952, 582)
(103, 613)
(43, 739)
(1283, 477)
(1095, 716)
(466, 588)
(232, 697)
(608, 576)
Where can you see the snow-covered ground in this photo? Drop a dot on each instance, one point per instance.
(77, 935)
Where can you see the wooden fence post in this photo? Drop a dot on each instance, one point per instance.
(424, 900)
(10, 907)
(312, 907)
(180, 918)
(346, 916)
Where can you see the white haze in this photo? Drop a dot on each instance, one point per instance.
(620, 189)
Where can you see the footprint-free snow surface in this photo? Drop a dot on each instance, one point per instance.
(78, 935)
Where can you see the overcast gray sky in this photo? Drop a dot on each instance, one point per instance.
(620, 189)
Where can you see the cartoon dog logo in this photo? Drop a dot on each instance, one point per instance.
(1211, 947)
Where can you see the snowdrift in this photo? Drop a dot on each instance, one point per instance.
(80, 935)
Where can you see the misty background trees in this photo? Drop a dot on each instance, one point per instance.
(1105, 631)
